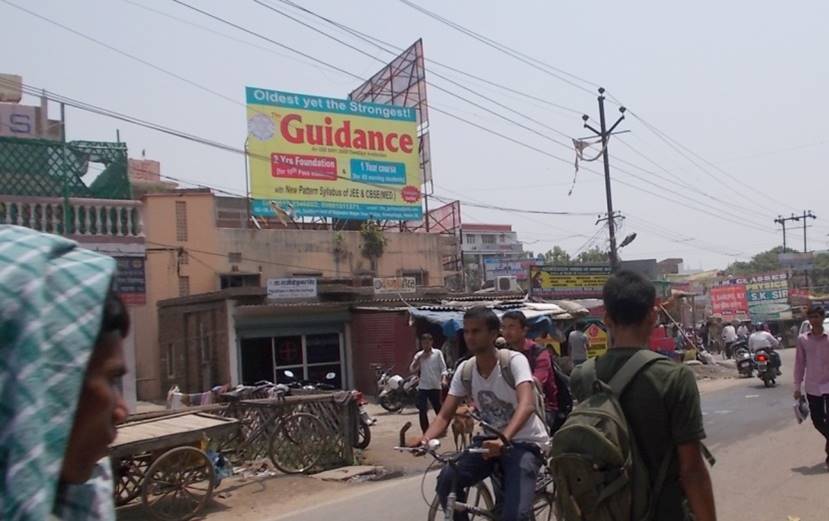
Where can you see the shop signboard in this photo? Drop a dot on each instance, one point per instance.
(394, 285)
(563, 282)
(597, 339)
(292, 288)
(130, 280)
(325, 157)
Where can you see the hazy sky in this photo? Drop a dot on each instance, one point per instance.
(739, 83)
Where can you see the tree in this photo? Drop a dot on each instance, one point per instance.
(557, 255)
(760, 263)
(594, 255)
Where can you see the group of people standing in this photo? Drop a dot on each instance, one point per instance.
(662, 404)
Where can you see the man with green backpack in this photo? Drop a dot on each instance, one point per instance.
(632, 450)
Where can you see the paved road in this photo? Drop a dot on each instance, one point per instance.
(743, 410)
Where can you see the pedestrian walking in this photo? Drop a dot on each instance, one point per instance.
(812, 367)
(61, 363)
(429, 364)
(661, 405)
(577, 343)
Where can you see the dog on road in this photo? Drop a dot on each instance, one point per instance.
(462, 427)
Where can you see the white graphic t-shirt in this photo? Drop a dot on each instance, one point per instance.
(496, 401)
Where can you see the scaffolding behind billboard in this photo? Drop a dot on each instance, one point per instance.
(403, 82)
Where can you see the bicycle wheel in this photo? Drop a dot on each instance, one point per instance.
(297, 443)
(544, 507)
(477, 495)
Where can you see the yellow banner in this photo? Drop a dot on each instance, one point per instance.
(328, 157)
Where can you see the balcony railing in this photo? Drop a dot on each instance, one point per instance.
(83, 217)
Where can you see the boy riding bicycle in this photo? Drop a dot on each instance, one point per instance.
(509, 408)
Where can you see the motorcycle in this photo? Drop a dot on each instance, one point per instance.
(396, 392)
(766, 370)
(745, 362)
(364, 428)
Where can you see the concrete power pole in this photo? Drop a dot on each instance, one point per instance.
(604, 134)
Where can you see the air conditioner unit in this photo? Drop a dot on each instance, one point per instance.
(506, 284)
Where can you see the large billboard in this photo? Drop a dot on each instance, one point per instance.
(729, 302)
(326, 157)
(564, 282)
(762, 297)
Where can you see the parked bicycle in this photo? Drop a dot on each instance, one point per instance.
(479, 503)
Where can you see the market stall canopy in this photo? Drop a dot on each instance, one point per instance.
(449, 316)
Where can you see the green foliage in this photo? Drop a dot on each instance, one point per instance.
(760, 263)
(374, 242)
(559, 256)
(594, 255)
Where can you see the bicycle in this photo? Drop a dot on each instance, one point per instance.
(484, 505)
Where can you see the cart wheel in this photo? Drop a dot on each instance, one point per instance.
(178, 484)
(298, 442)
(128, 475)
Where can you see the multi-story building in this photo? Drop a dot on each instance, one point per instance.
(42, 187)
(199, 244)
(488, 243)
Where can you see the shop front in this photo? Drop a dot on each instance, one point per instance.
(309, 341)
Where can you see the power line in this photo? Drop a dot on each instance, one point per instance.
(449, 114)
(525, 127)
(544, 67)
(532, 62)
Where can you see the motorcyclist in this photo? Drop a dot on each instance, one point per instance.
(763, 339)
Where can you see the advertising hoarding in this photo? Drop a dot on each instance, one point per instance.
(768, 297)
(562, 282)
(729, 302)
(519, 269)
(290, 288)
(327, 157)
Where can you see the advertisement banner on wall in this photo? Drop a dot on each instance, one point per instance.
(388, 285)
(505, 268)
(326, 157)
(562, 282)
(729, 302)
(130, 280)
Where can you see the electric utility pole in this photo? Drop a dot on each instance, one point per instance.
(806, 215)
(604, 134)
(782, 222)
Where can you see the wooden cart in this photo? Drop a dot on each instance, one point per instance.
(162, 461)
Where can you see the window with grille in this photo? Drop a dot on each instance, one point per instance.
(181, 221)
(471, 239)
(183, 257)
(183, 286)
(488, 239)
(234, 257)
